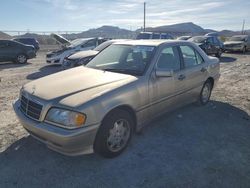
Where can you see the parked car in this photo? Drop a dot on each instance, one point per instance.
(17, 52)
(29, 41)
(184, 37)
(97, 107)
(238, 43)
(152, 35)
(83, 57)
(209, 44)
(216, 39)
(71, 47)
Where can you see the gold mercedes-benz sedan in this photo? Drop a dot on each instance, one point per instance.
(98, 107)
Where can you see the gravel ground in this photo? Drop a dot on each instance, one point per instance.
(192, 147)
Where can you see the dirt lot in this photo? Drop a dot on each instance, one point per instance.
(191, 147)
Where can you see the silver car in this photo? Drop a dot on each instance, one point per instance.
(98, 107)
(238, 43)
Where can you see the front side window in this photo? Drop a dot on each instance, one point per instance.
(127, 59)
(90, 43)
(190, 56)
(209, 40)
(169, 59)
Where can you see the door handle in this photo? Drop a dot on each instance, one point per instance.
(181, 77)
(203, 69)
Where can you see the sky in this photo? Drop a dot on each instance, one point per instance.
(80, 15)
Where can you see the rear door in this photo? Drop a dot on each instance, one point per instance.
(195, 73)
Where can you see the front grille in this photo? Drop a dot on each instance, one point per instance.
(30, 108)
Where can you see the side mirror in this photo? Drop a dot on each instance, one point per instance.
(164, 73)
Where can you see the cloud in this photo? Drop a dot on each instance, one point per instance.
(73, 14)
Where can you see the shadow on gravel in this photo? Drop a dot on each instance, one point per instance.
(192, 147)
(44, 71)
(227, 59)
(9, 65)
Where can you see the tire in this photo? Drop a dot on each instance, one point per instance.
(21, 59)
(114, 134)
(219, 53)
(244, 50)
(205, 93)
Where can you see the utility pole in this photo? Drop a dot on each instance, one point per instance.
(144, 21)
(243, 27)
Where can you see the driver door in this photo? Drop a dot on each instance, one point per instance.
(162, 89)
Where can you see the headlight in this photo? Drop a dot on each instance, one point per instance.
(66, 118)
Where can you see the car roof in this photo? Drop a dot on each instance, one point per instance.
(149, 42)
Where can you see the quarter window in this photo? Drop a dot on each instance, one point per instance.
(190, 56)
(169, 59)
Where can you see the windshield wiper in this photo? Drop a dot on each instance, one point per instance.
(125, 71)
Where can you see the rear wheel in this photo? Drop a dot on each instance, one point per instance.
(21, 58)
(114, 134)
(205, 93)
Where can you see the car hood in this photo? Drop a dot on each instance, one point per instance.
(199, 44)
(233, 42)
(76, 86)
(83, 54)
(60, 39)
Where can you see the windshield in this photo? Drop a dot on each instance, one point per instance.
(237, 39)
(77, 42)
(103, 46)
(197, 39)
(125, 59)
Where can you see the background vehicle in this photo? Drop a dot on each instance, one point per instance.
(71, 47)
(210, 44)
(152, 35)
(29, 41)
(216, 39)
(83, 57)
(184, 37)
(238, 43)
(14, 51)
(118, 92)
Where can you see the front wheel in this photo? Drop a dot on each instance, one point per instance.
(114, 134)
(244, 50)
(21, 58)
(218, 54)
(205, 93)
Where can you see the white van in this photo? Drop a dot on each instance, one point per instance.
(71, 47)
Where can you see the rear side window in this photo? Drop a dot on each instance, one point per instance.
(190, 56)
(169, 59)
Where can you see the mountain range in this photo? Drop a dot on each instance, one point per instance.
(188, 28)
